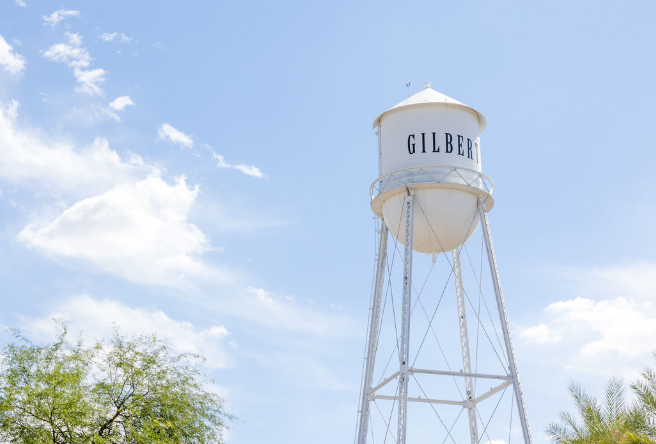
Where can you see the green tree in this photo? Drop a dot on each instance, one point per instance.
(125, 390)
(613, 421)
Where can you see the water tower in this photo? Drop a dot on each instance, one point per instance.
(431, 196)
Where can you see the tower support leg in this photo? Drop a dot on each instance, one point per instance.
(464, 344)
(372, 340)
(404, 340)
(519, 396)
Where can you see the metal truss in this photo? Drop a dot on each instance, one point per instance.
(402, 376)
(464, 344)
(501, 305)
(412, 371)
(406, 308)
(432, 175)
(372, 339)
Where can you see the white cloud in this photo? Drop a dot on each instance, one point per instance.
(637, 279)
(11, 61)
(619, 325)
(99, 112)
(78, 58)
(121, 102)
(138, 231)
(72, 54)
(266, 308)
(21, 3)
(305, 372)
(607, 327)
(28, 158)
(541, 334)
(127, 221)
(171, 135)
(92, 113)
(249, 170)
(107, 37)
(607, 337)
(97, 316)
(90, 80)
(599, 322)
(58, 16)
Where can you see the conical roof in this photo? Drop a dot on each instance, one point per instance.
(429, 96)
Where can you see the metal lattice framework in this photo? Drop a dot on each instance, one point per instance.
(455, 177)
(480, 185)
(501, 305)
(374, 323)
(404, 343)
(464, 344)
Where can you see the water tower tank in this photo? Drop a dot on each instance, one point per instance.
(430, 145)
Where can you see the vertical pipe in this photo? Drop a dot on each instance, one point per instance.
(464, 345)
(519, 396)
(405, 317)
(372, 341)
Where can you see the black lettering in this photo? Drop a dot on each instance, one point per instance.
(449, 144)
(438, 148)
(469, 149)
(411, 151)
(460, 151)
(423, 142)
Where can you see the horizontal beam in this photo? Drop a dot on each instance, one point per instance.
(382, 384)
(492, 392)
(471, 375)
(430, 401)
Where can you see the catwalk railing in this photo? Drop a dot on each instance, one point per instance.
(446, 175)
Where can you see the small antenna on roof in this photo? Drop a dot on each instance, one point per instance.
(408, 86)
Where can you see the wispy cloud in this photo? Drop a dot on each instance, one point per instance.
(269, 309)
(306, 373)
(171, 135)
(120, 103)
(78, 58)
(58, 16)
(21, 3)
(249, 170)
(11, 61)
(27, 158)
(96, 317)
(99, 112)
(115, 36)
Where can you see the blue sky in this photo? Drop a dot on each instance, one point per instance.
(201, 170)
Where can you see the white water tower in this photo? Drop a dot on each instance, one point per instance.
(431, 196)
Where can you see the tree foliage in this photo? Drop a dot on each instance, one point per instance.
(125, 390)
(614, 420)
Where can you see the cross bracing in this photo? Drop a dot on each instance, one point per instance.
(439, 362)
